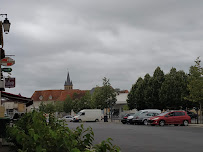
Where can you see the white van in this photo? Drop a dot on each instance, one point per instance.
(88, 115)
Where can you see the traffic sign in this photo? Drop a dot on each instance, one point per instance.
(9, 82)
(7, 61)
(6, 69)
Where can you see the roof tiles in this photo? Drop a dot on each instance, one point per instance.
(56, 95)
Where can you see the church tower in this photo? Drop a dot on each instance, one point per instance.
(68, 84)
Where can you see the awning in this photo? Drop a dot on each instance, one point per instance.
(18, 98)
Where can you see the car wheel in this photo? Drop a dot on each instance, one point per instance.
(175, 124)
(185, 123)
(80, 120)
(124, 122)
(161, 123)
(152, 124)
(145, 122)
(96, 120)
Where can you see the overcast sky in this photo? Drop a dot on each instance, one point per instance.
(92, 39)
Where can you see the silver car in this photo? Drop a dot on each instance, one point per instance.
(143, 117)
(67, 118)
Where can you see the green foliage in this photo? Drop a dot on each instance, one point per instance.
(195, 85)
(157, 81)
(47, 108)
(105, 96)
(59, 106)
(174, 89)
(68, 104)
(98, 98)
(105, 146)
(84, 102)
(33, 134)
(125, 107)
(160, 91)
(147, 91)
(133, 95)
(77, 105)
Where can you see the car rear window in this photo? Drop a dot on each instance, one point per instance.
(162, 114)
(179, 113)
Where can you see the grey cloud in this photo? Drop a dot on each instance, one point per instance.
(121, 40)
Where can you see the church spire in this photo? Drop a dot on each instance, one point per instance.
(68, 84)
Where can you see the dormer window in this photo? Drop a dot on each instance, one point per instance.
(50, 97)
(41, 97)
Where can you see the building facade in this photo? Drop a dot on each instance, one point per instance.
(53, 96)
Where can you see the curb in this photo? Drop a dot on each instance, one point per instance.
(196, 125)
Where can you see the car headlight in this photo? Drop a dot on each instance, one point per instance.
(155, 118)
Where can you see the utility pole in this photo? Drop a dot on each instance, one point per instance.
(6, 27)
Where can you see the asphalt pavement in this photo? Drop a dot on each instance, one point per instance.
(139, 138)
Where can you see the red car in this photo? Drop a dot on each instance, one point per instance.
(176, 118)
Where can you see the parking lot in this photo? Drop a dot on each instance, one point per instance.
(140, 138)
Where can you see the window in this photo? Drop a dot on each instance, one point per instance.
(179, 113)
(182, 113)
(156, 114)
(41, 97)
(162, 114)
(83, 114)
(150, 114)
(171, 114)
(50, 97)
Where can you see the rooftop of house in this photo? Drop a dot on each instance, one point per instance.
(56, 95)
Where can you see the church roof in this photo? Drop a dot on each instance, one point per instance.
(68, 82)
(56, 95)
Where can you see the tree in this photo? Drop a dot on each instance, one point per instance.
(76, 105)
(87, 101)
(157, 81)
(131, 99)
(84, 102)
(109, 93)
(174, 89)
(139, 94)
(47, 108)
(68, 105)
(59, 106)
(98, 98)
(105, 96)
(195, 84)
(147, 88)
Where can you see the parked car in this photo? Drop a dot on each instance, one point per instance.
(143, 115)
(130, 117)
(67, 118)
(192, 114)
(176, 118)
(124, 120)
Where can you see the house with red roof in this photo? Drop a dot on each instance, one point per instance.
(53, 96)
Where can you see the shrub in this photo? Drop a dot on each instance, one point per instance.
(32, 133)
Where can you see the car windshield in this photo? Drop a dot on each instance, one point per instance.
(137, 113)
(131, 114)
(79, 113)
(162, 114)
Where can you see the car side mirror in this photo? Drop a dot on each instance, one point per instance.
(166, 116)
